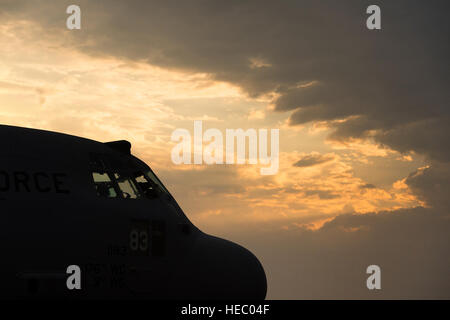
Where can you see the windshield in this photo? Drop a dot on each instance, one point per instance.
(155, 180)
(149, 185)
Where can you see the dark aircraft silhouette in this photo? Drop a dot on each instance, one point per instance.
(67, 200)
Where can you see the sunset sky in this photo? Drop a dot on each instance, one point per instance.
(363, 118)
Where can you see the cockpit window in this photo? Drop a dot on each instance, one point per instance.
(114, 179)
(127, 186)
(104, 186)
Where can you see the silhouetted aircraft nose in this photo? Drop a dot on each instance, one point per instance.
(220, 269)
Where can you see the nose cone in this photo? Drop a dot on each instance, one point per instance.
(220, 269)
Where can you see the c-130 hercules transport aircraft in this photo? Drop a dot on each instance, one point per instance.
(68, 201)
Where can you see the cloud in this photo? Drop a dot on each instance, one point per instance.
(293, 196)
(431, 184)
(367, 186)
(322, 194)
(391, 84)
(313, 159)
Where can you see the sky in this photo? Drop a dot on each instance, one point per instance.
(363, 118)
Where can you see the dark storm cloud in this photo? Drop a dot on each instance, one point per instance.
(391, 82)
(313, 159)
